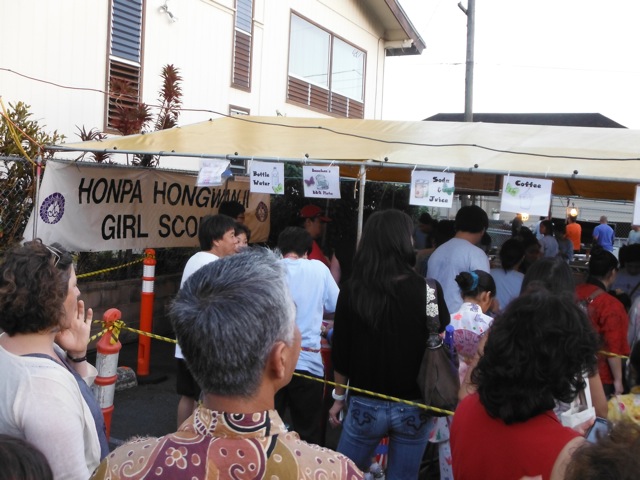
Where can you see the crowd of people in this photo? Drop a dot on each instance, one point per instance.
(250, 325)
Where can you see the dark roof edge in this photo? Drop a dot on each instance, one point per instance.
(411, 31)
(558, 119)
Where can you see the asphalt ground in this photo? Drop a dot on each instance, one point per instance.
(150, 408)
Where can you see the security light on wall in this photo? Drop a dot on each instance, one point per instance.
(165, 9)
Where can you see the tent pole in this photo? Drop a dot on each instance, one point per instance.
(363, 180)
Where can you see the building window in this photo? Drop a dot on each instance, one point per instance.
(326, 73)
(124, 78)
(243, 32)
(236, 111)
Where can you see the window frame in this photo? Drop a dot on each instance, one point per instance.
(122, 63)
(319, 98)
(248, 38)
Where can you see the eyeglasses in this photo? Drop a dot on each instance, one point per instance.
(57, 254)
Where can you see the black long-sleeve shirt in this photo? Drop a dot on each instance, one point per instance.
(385, 360)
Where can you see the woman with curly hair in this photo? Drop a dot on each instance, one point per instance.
(537, 352)
(44, 395)
(379, 339)
(608, 316)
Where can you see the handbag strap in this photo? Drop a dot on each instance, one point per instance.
(433, 318)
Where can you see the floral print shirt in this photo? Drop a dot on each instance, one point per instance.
(213, 445)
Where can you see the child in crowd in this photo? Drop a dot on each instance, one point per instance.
(548, 243)
(470, 323)
(565, 246)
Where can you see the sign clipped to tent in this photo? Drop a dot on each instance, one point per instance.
(211, 172)
(321, 182)
(267, 177)
(526, 195)
(432, 189)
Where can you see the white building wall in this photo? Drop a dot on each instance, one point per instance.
(66, 43)
(58, 42)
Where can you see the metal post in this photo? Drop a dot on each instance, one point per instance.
(470, 12)
(363, 180)
(146, 311)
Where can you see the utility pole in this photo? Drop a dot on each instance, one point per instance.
(470, 12)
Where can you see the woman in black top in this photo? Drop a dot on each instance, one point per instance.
(379, 339)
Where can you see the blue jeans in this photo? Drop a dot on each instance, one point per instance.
(369, 420)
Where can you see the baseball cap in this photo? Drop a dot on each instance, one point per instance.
(313, 211)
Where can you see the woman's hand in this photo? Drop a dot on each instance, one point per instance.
(75, 338)
(334, 413)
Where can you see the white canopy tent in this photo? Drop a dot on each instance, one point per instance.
(600, 163)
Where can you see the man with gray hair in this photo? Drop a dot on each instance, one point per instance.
(235, 321)
(604, 235)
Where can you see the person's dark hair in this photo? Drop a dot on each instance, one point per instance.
(444, 231)
(551, 273)
(560, 228)
(526, 235)
(615, 456)
(231, 208)
(537, 352)
(601, 262)
(471, 219)
(385, 254)
(213, 227)
(572, 219)
(242, 228)
(295, 240)
(474, 283)
(228, 316)
(629, 253)
(34, 282)
(511, 254)
(20, 460)
(425, 219)
(548, 227)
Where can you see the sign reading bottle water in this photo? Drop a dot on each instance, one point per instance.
(267, 178)
(432, 189)
(526, 195)
(321, 182)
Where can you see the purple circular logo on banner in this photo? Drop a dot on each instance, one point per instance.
(52, 209)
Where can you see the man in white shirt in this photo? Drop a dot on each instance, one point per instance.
(314, 291)
(460, 254)
(217, 237)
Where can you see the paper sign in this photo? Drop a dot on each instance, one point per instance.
(636, 207)
(267, 177)
(526, 195)
(321, 182)
(211, 171)
(432, 189)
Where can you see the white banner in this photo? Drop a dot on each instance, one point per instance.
(636, 207)
(321, 182)
(526, 195)
(267, 177)
(432, 189)
(89, 207)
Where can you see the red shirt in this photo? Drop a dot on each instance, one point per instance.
(483, 447)
(611, 321)
(318, 254)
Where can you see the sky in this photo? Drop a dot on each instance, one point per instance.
(531, 56)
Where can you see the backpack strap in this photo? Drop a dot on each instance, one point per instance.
(597, 292)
